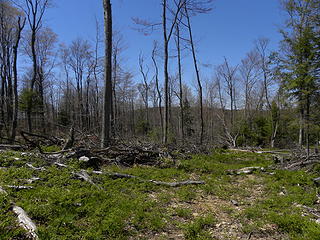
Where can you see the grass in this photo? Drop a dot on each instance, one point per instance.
(64, 207)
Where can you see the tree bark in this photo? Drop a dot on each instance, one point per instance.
(197, 74)
(15, 79)
(166, 74)
(180, 82)
(158, 89)
(106, 115)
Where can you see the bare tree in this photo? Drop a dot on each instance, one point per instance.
(20, 26)
(226, 79)
(196, 70)
(34, 11)
(166, 39)
(107, 100)
(250, 73)
(153, 56)
(45, 54)
(264, 63)
(79, 59)
(12, 23)
(192, 7)
(178, 45)
(144, 70)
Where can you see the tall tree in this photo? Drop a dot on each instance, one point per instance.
(12, 22)
(45, 55)
(194, 57)
(167, 33)
(178, 45)
(107, 99)
(156, 76)
(299, 59)
(20, 26)
(192, 7)
(226, 80)
(34, 11)
(145, 86)
(79, 60)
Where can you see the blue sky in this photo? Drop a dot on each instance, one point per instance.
(228, 31)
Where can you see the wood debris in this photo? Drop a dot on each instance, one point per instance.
(317, 181)
(35, 168)
(177, 184)
(12, 147)
(85, 176)
(31, 180)
(169, 184)
(60, 165)
(299, 159)
(19, 187)
(2, 191)
(246, 170)
(26, 222)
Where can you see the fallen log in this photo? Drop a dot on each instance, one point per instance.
(302, 163)
(317, 181)
(19, 187)
(52, 140)
(31, 180)
(282, 151)
(243, 150)
(246, 170)
(60, 165)
(34, 144)
(2, 191)
(56, 153)
(85, 176)
(35, 168)
(312, 211)
(177, 184)
(114, 175)
(13, 147)
(26, 222)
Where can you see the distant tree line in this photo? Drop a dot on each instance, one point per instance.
(269, 99)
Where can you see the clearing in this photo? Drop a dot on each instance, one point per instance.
(266, 204)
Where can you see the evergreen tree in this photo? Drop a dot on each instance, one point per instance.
(299, 62)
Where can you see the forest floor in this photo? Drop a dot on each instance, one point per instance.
(268, 204)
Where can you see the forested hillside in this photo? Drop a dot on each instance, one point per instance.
(269, 99)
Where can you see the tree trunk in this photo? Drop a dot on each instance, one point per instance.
(197, 74)
(301, 125)
(106, 115)
(180, 82)
(34, 76)
(158, 89)
(166, 74)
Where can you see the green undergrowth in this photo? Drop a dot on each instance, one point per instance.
(286, 192)
(65, 207)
